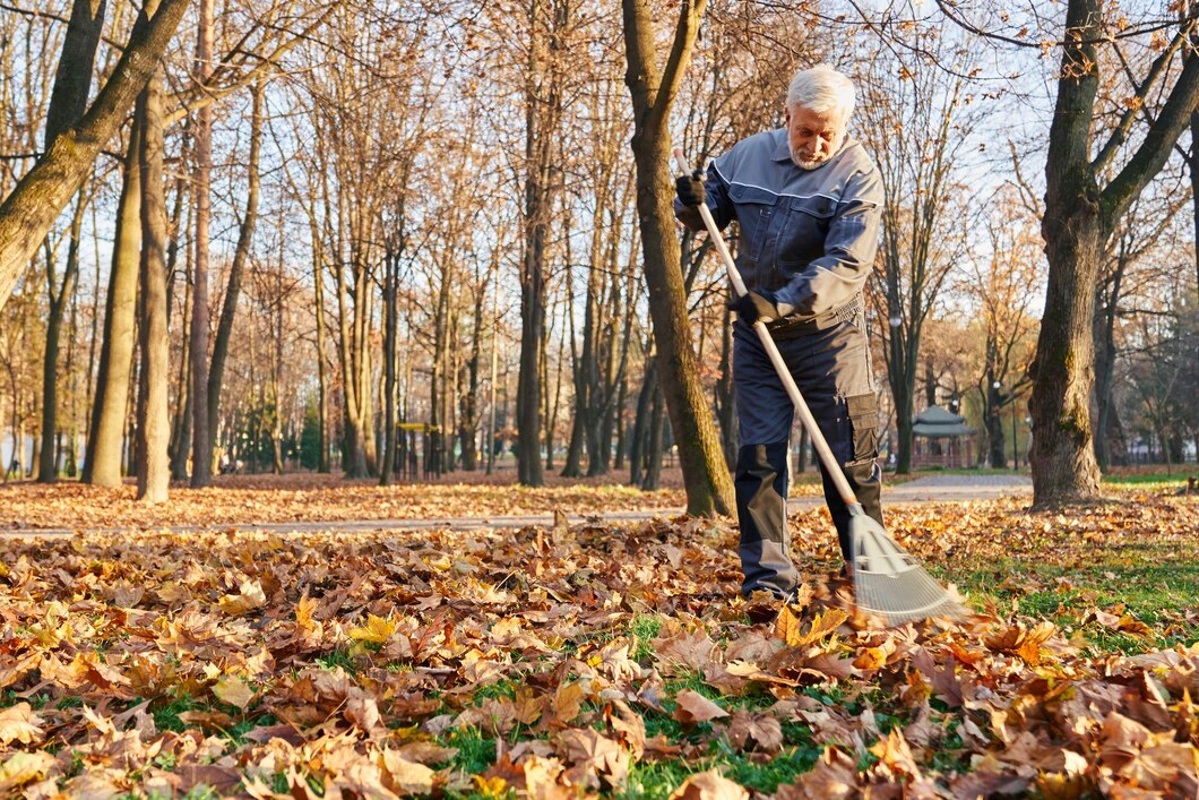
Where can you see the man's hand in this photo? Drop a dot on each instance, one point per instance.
(690, 188)
(763, 306)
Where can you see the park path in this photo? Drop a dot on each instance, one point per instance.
(928, 489)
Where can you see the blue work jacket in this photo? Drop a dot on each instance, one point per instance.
(809, 236)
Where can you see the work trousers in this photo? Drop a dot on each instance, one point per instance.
(832, 370)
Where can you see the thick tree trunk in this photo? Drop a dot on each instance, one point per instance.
(105, 441)
(68, 102)
(1079, 217)
(28, 212)
(530, 468)
(153, 414)
(708, 484)
(1062, 453)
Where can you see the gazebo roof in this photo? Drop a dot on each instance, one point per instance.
(936, 422)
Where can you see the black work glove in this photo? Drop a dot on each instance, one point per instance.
(690, 188)
(763, 306)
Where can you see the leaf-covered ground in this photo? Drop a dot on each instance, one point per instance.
(245, 499)
(574, 660)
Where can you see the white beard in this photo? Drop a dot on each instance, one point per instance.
(807, 164)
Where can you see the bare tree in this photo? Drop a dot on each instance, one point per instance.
(153, 416)
(653, 87)
(915, 118)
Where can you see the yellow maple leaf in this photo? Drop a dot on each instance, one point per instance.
(789, 626)
(377, 630)
(305, 608)
(249, 597)
(491, 787)
(23, 768)
(232, 689)
(19, 723)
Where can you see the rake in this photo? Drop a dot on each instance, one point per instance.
(888, 582)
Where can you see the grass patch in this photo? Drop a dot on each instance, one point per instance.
(475, 752)
(643, 629)
(1125, 599)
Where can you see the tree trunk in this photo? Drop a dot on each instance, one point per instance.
(708, 483)
(1194, 164)
(1079, 218)
(28, 212)
(387, 460)
(106, 433)
(198, 338)
(224, 332)
(48, 465)
(181, 425)
(1062, 454)
(543, 114)
(68, 102)
(153, 414)
(468, 412)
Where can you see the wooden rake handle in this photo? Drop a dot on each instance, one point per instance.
(801, 406)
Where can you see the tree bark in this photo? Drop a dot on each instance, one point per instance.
(48, 464)
(202, 438)
(153, 413)
(707, 481)
(224, 331)
(1080, 215)
(105, 441)
(28, 212)
(543, 113)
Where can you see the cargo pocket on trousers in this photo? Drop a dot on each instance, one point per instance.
(863, 419)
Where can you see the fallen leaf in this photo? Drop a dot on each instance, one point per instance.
(694, 707)
(710, 785)
(19, 723)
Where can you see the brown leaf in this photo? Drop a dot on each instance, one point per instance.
(710, 785)
(403, 776)
(234, 690)
(694, 707)
(833, 778)
(754, 732)
(597, 760)
(689, 650)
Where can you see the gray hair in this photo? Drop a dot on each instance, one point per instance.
(822, 89)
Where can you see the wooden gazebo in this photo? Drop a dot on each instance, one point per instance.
(941, 438)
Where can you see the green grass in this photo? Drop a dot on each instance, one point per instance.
(1149, 580)
(643, 630)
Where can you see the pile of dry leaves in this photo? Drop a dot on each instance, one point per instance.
(332, 665)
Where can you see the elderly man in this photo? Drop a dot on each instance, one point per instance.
(809, 203)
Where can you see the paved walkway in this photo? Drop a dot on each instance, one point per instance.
(931, 488)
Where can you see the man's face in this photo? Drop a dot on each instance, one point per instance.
(814, 137)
